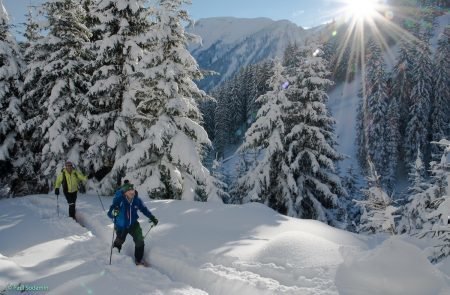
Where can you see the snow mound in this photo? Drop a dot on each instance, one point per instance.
(311, 251)
(395, 267)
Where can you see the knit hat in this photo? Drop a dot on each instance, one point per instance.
(127, 187)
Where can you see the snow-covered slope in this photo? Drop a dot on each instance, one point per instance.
(230, 43)
(203, 248)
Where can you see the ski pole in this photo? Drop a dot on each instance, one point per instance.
(98, 195)
(151, 226)
(57, 204)
(112, 241)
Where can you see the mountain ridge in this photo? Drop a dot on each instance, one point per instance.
(229, 43)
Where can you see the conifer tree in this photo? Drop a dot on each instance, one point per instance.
(375, 93)
(208, 111)
(393, 143)
(11, 79)
(417, 129)
(121, 46)
(223, 125)
(420, 212)
(352, 187)
(313, 186)
(56, 84)
(157, 137)
(378, 211)
(427, 212)
(27, 173)
(417, 176)
(440, 118)
(402, 82)
(265, 181)
(361, 132)
(350, 182)
(31, 31)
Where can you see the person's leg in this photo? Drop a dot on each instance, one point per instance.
(121, 235)
(136, 233)
(71, 199)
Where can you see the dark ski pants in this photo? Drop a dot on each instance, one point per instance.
(136, 232)
(71, 200)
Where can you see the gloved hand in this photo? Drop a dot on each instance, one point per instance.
(115, 212)
(154, 220)
(57, 191)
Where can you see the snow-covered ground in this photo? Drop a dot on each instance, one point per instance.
(343, 104)
(203, 248)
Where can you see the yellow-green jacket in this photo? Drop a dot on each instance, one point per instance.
(71, 180)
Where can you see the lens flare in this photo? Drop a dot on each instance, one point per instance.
(389, 15)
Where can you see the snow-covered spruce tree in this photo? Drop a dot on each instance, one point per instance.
(429, 209)
(266, 181)
(378, 211)
(393, 142)
(291, 58)
(56, 84)
(121, 46)
(417, 129)
(351, 184)
(11, 79)
(208, 111)
(249, 94)
(263, 74)
(27, 170)
(417, 176)
(237, 110)
(330, 53)
(402, 81)
(419, 216)
(314, 188)
(345, 63)
(361, 132)
(416, 189)
(31, 33)
(349, 181)
(223, 124)
(157, 137)
(237, 106)
(440, 118)
(374, 109)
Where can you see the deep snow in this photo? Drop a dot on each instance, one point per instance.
(204, 248)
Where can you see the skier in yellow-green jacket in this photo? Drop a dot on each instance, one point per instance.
(69, 178)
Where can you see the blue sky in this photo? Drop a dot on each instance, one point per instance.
(306, 13)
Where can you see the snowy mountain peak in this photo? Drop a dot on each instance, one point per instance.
(230, 43)
(230, 29)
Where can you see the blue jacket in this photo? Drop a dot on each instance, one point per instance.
(127, 211)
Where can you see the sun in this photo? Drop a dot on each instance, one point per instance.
(361, 9)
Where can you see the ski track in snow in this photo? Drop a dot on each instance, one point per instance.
(91, 239)
(87, 245)
(203, 248)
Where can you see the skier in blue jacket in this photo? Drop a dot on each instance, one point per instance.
(124, 213)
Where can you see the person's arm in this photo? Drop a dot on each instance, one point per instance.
(144, 209)
(80, 175)
(115, 204)
(59, 180)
